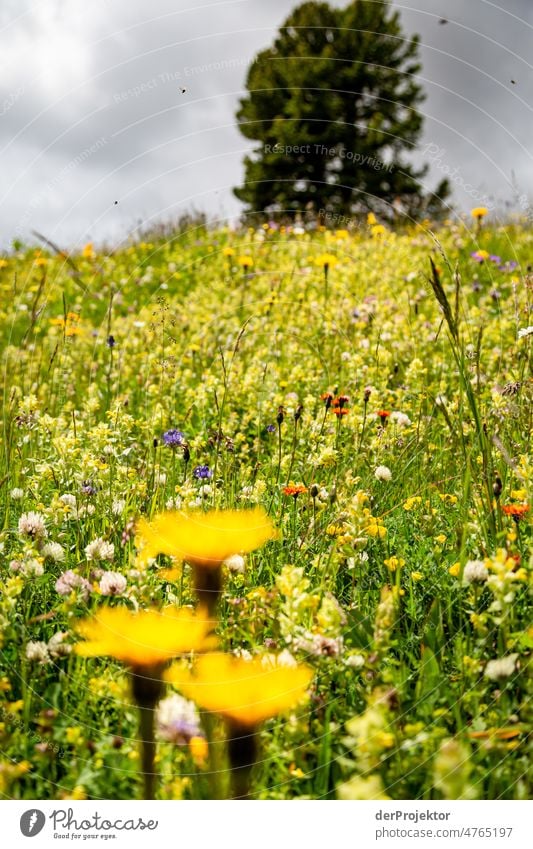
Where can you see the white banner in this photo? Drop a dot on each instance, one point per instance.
(267, 825)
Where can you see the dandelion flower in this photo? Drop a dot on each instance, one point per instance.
(383, 473)
(479, 212)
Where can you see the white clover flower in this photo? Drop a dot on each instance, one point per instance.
(37, 652)
(525, 331)
(355, 661)
(118, 506)
(32, 525)
(501, 668)
(68, 500)
(32, 567)
(112, 583)
(236, 563)
(99, 549)
(17, 493)
(475, 572)
(177, 720)
(56, 645)
(383, 473)
(401, 419)
(53, 551)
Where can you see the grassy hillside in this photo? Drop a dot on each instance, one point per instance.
(377, 409)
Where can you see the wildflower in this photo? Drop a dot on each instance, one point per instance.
(112, 583)
(245, 261)
(416, 576)
(199, 748)
(173, 437)
(516, 511)
(142, 640)
(525, 331)
(326, 261)
(177, 720)
(235, 563)
(383, 415)
(394, 563)
(17, 494)
(37, 652)
(364, 789)
(57, 646)
(227, 251)
(202, 473)
(294, 489)
(99, 549)
(242, 691)
(383, 473)
(480, 256)
(378, 230)
(401, 419)
(475, 572)
(479, 212)
(53, 551)
(32, 525)
(501, 668)
(69, 581)
(455, 569)
(205, 540)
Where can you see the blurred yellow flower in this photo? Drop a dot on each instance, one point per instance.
(245, 261)
(479, 212)
(143, 639)
(205, 539)
(243, 691)
(326, 260)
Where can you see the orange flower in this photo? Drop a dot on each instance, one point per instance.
(294, 489)
(517, 511)
(383, 414)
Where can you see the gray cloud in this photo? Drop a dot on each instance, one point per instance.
(92, 108)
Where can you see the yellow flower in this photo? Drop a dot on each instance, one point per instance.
(243, 691)
(205, 539)
(479, 212)
(441, 539)
(88, 251)
(371, 219)
(198, 747)
(394, 563)
(455, 569)
(378, 230)
(245, 261)
(326, 260)
(228, 251)
(416, 576)
(147, 638)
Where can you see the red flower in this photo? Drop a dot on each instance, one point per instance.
(383, 414)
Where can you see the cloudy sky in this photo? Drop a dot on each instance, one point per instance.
(92, 107)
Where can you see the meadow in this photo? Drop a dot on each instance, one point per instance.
(361, 627)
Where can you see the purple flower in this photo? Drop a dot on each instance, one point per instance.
(202, 473)
(495, 258)
(271, 428)
(173, 437)
(509, 266)
(88, 488)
